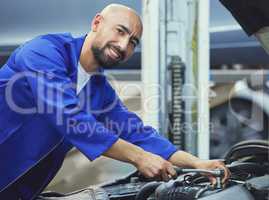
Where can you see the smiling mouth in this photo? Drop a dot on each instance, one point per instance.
(114, 54)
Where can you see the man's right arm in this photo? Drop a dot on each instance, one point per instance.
(150, 165)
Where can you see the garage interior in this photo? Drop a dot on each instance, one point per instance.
(209, 79)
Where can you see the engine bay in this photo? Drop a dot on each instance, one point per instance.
(247, 161)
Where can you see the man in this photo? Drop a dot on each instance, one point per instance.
(47, 94)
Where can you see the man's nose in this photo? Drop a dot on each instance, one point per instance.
(124, 43)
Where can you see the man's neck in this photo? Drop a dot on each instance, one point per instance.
(87, 59)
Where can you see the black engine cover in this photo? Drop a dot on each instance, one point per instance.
(234, 193)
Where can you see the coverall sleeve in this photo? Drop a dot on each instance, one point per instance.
(128, 126)
(46, 74)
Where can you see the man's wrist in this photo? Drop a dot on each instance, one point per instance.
(125, 151)
(184, 159)
(136, 156)
(197, 163)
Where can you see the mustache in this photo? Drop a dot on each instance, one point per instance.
(118, 49)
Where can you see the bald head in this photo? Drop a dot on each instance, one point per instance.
(118, 11)
(118, 8)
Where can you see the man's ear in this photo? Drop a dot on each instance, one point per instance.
(96, 22)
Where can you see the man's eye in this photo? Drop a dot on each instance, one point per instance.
(120, 31)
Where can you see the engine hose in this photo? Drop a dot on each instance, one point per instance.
(177, 72)
(202, 191)
(147, 190)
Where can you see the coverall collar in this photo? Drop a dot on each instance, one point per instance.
(74, 47)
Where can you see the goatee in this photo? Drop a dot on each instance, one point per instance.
(102, 59)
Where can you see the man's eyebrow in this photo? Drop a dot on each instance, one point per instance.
(129, 32)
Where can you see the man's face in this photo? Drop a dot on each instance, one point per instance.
(116, 38)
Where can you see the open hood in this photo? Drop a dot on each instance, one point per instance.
(253, 16)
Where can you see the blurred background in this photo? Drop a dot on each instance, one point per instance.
(209, 79)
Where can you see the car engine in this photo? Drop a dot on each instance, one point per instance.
(248, 162)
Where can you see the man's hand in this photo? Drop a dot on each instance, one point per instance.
(185, 160)
(211, 165)
(150, 165)
(154, 166)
